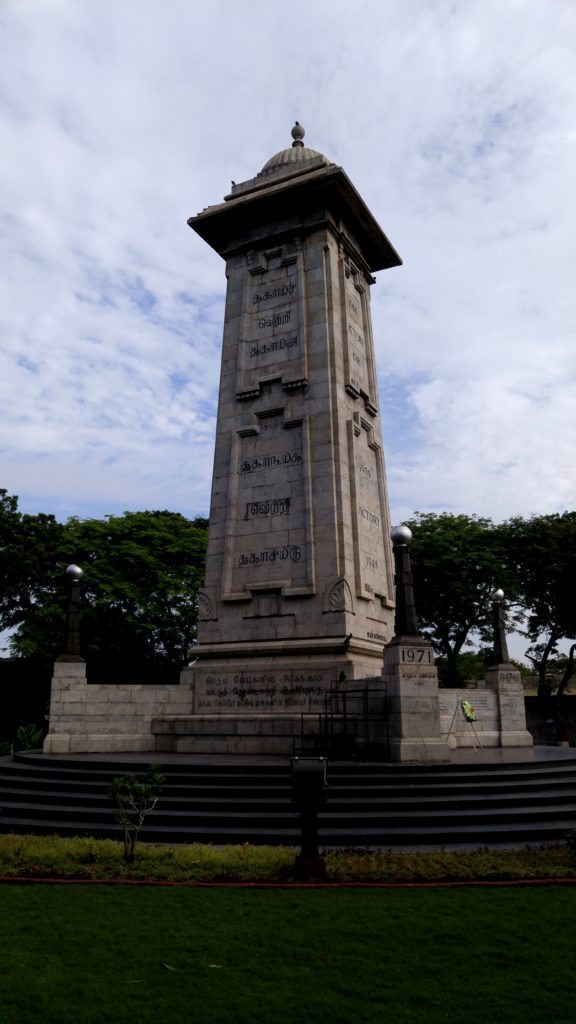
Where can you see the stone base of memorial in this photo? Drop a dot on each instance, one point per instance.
(506, 682)
(262, 735)
(411, 682)
(265, 705)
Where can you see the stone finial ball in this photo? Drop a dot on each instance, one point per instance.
(298, 132)
(74, 572)
(497, 595)
(401, 535)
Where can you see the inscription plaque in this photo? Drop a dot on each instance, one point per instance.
(269, 529)
(369, 525)
(271, 338)
(359, 368)
(262, 691)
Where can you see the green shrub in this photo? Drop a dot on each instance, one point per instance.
(449, 865)
(29, 736)
(134, 798)
(85, 858)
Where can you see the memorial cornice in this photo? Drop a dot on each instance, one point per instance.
(304, 646)
(303, 202)
(264, 648)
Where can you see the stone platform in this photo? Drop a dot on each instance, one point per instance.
(129, 719)
(232, 734)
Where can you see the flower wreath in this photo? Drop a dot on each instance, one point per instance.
(468, 711)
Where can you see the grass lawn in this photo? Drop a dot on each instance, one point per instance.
(239, 956)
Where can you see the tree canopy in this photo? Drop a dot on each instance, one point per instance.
(457, 561)
(29, 552)
(142, 573)
(541, 554)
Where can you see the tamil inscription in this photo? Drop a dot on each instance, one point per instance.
(271, 343)
(263, 691)
(269, 517)
(274, 507)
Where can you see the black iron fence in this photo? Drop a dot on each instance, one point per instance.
(353, 723)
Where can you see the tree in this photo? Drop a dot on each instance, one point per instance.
(568, 671)
(457, 560)
(29, 551)
(142, 571)
(541, 552)
(134, 798)
(470, 667)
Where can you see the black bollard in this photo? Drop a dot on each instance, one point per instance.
(308, 792)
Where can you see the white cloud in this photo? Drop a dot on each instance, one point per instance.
(453, 119)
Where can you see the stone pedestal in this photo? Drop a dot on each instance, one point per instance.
(276, 678)
(67, 706)
(411, 681)
(505, 680)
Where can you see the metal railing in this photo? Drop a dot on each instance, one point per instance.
(352, 724)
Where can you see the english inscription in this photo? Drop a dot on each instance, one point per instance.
(355, 334)
(369, 516)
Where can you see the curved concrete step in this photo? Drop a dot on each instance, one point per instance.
(377, 805)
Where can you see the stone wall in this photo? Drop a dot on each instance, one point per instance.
(88, 719)
(131, 718)
(454, 727)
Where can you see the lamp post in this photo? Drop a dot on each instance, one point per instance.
(405, 621)
(501, 655)
(72, 653)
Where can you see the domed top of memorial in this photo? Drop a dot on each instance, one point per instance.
(294, 158)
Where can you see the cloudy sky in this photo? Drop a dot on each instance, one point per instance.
(121, 118)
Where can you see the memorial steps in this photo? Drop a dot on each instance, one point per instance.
(378, 805)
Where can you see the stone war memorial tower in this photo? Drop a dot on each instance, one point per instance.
(297, 615)
(298, 594)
